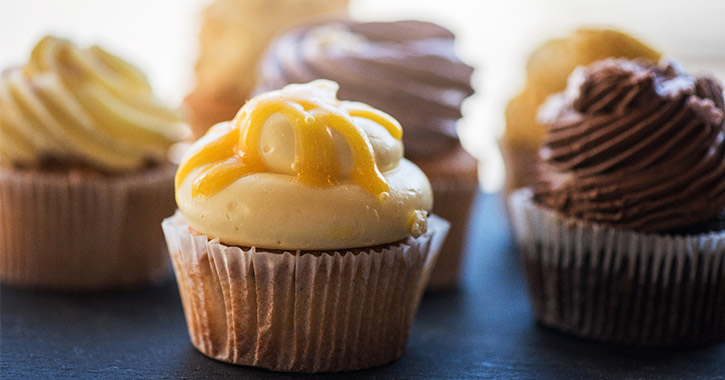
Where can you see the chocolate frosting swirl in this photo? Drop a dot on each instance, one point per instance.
(405, 68)
(635, 146)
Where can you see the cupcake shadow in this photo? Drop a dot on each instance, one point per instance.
(562, 353)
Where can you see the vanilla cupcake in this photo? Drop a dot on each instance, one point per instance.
(84, 178)
(623, 234)
(408, 69)
(302, 241)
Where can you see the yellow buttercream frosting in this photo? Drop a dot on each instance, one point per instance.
(85, 105)
(299, 169)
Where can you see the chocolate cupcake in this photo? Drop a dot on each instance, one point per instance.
(547, 70)
(232, 39)
(622, 235)
(408, 69)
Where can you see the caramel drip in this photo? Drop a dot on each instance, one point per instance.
(235, 152)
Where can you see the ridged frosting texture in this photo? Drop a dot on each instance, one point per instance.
(406, 68)
(549, 66)
(82, 105)
(299, 169)
(636, 146)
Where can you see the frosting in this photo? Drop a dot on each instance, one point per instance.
(636, 146)
(406, 68)
(549, 66)
(299, 169)
(82, 105)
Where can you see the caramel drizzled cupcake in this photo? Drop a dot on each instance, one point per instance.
(622, 235)
(408, 69)
(83, 171)
(303, 241)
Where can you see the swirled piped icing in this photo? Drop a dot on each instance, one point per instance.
(406, 68)
(299, 169)
(636, 146)
(82, 105)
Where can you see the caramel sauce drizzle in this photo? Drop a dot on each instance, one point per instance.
(235, 152)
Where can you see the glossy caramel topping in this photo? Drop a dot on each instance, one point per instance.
(234, 151)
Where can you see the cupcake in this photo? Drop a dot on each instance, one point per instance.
(234, 34)
(409, 70)
(302, 241)
(623, 234)
(546, 73)
(84, 179)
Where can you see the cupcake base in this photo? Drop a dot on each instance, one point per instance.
(520, 161)
(620, 286)
(204, 110)
(300, 311)
(454, 180)
(78, 230)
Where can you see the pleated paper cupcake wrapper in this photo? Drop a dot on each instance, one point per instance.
(296, 311)
(71, 231)
(621, 286)
(453, 202)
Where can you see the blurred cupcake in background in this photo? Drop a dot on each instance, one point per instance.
(84, 176)
(623, 233)
(408, 69)
(547, 71)
(234, 34)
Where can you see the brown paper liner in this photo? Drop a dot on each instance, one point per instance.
(300, 311)
(621, 286)
(84, 231)
(454, 179)
(520, 160)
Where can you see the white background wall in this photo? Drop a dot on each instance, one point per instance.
(495, 36)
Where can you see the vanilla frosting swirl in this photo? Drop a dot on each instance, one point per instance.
(636, 146)
(299, 169)
(405, 68)
(82, 105)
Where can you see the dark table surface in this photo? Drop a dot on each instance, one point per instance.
(485, 329)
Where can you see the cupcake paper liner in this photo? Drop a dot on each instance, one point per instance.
(621, 286)
(453, 201)
(76, 231)
(300, 311)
